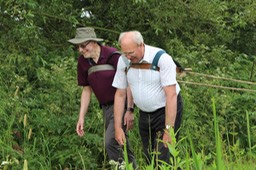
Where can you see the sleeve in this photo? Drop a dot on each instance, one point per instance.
(167, 70)
(120, 79)
(114, 59)
(82, 74)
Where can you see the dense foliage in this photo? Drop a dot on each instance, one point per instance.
(40, 98)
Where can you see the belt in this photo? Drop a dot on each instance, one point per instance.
(152, 111)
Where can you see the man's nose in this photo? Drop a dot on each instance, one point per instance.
(80, 49)
(128, 56)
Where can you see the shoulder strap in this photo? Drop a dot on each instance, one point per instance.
(103, 67)
(153, 65)
(111, 54)
(156, 59)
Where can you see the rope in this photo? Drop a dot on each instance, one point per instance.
(223, 78)
(189, 70)
(216, 86)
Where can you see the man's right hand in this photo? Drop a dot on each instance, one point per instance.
(80, 128)
(120, 136)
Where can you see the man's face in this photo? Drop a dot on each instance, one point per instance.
(133, 52)
(86, 49)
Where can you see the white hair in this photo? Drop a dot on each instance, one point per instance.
(135, 36)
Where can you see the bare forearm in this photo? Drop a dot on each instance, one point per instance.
(119, 107)
(85, 101)
(171, 106)
(130, 103)
(171, 111)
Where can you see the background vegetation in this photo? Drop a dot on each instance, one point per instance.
(39, 97)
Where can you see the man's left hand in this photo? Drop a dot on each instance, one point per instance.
(166, 138)
(128, 120)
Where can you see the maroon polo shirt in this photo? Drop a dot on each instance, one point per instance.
(100, 81)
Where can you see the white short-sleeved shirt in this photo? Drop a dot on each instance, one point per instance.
(147, 85)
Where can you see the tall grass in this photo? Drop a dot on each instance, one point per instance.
(219, 156)
(196, 160)
(42, 151)
(248, 131)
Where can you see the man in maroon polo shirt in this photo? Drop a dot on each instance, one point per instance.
(95, 73)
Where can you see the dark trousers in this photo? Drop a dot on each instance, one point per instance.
(151, 127)
(114, 150)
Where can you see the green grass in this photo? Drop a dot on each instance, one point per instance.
(208, 141)
(197, 160)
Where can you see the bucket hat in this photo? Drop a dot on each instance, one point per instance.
(84, 34)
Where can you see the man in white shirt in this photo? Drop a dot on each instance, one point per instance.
(155, 93)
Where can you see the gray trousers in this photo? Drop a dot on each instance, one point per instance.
(114, 150)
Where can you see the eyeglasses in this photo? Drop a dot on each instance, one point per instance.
(131, 53)
(83, 46)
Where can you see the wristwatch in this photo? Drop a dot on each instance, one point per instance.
(168, 127)
(130, 109)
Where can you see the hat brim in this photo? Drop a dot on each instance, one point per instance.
(81, 40)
